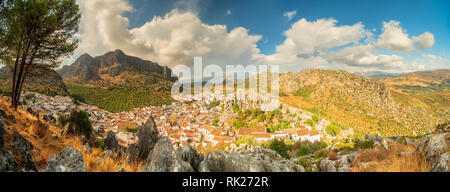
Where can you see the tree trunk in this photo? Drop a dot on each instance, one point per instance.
(15, 92)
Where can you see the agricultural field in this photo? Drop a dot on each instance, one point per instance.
(118, 99)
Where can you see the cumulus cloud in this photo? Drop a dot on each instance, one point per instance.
(424, 41)
(103, 28)
(290, 14)
(395, 38)
(362, 56)
(179, 36)
(170, 40)
(307, 42)
(315, 44)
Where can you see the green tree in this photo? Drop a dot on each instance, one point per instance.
(315, 118)
(83, 124)
(34, 36)
(280, 147)
(333, 129)
(236, 109)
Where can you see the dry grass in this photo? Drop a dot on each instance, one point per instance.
(45, 145)
(391, 161)
(97, 162)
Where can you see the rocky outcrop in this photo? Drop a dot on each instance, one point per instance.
(148, 136)
(114, 64)
(327, 165)
(189, 155)
(342, 164)
(69, 160)
(161, 157)
(2, 133)
(7, 162)
(378, 141)
(435, 148)
(165, 159)
(23, 147)
(131, 153)
(441, 165)
(218, 161)
(111, 142)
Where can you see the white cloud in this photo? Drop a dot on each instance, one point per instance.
(169, 40)
(229, 12)
(178, 36)
(103, 28)
(363, 56)
(290, 14)
(424, 41)
(395, 38)
(307, 43)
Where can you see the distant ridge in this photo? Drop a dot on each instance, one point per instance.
(48, 82)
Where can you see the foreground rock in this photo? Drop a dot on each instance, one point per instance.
(342, 164)
(2, 133)
(69, 160)
(7, 162)
(218, 161)
(23, 147)
(111, 142)
(436, 151)
(148, 136)
(165, 159)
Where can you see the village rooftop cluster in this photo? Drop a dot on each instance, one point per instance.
(187, 121)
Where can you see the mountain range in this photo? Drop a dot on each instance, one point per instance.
(114, 68)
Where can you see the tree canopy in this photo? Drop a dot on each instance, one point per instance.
(36, 35)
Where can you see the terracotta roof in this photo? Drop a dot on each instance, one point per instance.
(262, 135)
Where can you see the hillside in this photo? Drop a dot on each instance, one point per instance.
(114, 68)
(428, 90)
(44, 140)
(351, 101)
(51, 85)
(117, 82)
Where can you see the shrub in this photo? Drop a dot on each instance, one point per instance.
(307, 148)
(315, 118)
(280, 147)
(239, 124)
(63, 120)
(247, 140)
(215, 123)
(306, 163)
(82, 123)
(321, 154)
(333, 156)
(364, 144)
(333, 129)
(236, 109)
(215, 103)
(309, 122)
(100, 143)
(304, 149)
(132, 130)
(75, 101)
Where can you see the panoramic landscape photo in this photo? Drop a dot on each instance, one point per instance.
(224, 86)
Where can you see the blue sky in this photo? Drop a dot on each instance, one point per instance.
(265, 17)
(354, 35)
